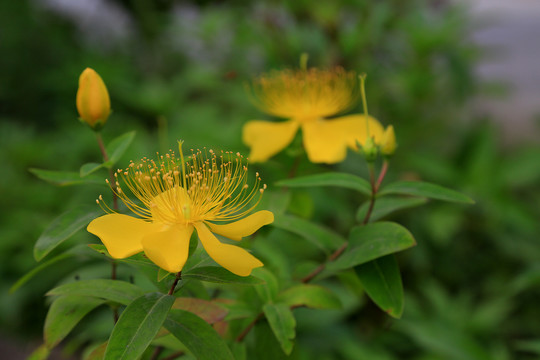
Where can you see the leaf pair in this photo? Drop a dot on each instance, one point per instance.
(139, 323)
(115, 149)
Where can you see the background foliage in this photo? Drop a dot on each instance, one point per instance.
(178, 69)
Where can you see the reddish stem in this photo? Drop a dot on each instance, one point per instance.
(248, 328)
(374, 189)
(177, 278)
(382, 174)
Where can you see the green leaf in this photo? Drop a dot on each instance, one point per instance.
(372, 241)
(275, 201)
(312, 296)
(100, 248)
(266, 344)
(323, 238)
(138, 260)
(344, 180)
(41, 353)
(381, 280)
(89, 168)
(141, 263)
(65, 178)
(66, 312)
(530, 346)
(209, 311)
(239, 350)
(267, 291)
(197, 335)
(39, 270)
(118, 147)
(217, 274)
(114, 290)
(162, 274)
(425, 189)
(282, 323)
(96, 353)
(137, 326)
(62, 228)
(387, 205)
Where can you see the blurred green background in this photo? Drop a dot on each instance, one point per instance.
(178, 69)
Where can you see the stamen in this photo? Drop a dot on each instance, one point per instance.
(206, 188)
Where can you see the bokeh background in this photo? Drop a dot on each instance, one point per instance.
(452, 77)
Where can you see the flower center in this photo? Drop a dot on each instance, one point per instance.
(206, 187)
(172, 206)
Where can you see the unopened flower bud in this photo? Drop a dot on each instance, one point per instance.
(93, 101)
(369, 149)
(388, 142)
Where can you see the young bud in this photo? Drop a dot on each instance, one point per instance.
(93, 101)
(388, 142)
(369, 149)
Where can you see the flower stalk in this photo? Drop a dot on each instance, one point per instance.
(115, 206)
(177, 278)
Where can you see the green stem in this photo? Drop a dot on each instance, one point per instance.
(374, 189)
(159, 349)
(364, 101)
(294, 167)
(373, 193)
(115, 206)
(111, 173)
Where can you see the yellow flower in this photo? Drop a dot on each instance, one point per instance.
(307, 98)
(93, 101)
(388, 142)
(177, 197)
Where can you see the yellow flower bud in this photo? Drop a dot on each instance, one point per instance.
(93, 101)
(388, 142)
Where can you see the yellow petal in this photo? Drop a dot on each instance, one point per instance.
(267, 138)
(168, 249)
(388, 142)
(233, 258)
(121, 234)
(244, 227)
(356, 130)
(326, 141)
